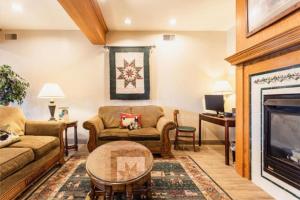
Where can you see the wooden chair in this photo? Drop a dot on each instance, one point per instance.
(188, 132)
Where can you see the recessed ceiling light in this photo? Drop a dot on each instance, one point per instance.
(127, 21)
(173, 22)
(16, 7)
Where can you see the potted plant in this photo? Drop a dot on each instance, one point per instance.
(12, 86)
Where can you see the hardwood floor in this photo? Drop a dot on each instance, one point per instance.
(211, 159)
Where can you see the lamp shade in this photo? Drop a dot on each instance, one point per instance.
(51, 91)
(222, 87)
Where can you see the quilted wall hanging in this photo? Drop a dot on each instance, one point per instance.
(129, 73)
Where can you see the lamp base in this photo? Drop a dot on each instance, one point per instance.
(52, 107)
(52, 119)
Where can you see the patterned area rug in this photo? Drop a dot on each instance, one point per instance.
(176, 178)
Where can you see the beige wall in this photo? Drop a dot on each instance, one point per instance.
(230, 50)
(181, 71)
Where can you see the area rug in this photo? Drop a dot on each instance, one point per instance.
(176, 178)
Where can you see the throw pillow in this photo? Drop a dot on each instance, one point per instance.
(130, 121)
(6, 137)
(14, 117)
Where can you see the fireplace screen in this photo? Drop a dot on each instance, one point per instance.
(285, 146)
(282, 137)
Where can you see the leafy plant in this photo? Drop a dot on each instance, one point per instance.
(12, 86)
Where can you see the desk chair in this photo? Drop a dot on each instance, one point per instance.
(187, 131)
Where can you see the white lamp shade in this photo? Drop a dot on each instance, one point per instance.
(223, 87)
(51, 91)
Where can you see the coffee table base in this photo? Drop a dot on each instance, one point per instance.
(141, 186)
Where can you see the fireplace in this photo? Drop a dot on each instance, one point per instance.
(281, 141)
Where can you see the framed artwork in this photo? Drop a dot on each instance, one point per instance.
(263, 13)
(129, 73)
(63, 113)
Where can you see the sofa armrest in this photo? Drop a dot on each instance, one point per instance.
(94, 125)
(164, 126)
(47, 128)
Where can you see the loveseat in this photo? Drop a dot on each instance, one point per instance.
(39, 148)
(154, 133)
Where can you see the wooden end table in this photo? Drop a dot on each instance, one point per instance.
(120, 166)
(70, 124)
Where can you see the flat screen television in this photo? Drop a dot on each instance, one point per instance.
(214, 102)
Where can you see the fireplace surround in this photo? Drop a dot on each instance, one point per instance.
(281, 124)
(275, 131)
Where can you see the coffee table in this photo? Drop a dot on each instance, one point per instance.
(120, 166)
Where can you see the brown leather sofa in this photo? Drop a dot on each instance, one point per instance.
(154, 133)
(40, 148)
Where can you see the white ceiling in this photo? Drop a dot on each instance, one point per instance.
(191, 15)
(36, 14)
(150, 15)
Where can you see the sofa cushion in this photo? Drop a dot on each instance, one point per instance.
(110, 115)
(144, 134)
(14, 118)
(14, 159)
(40, 145)
(114, 134)
(150, 115)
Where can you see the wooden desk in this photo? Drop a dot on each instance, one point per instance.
(223, 121)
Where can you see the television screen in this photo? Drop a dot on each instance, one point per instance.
(214, 102)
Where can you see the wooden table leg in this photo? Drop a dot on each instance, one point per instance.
(108, 193)
(226, 144)
(149, 192)
(92, 193)
(194, 146)
(75, 138)
(200, 139)
(66, 142)
(129, 195)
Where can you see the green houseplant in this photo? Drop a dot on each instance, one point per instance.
(12, 86)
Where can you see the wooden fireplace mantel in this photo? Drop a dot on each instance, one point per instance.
(274, 47)
(266, 59)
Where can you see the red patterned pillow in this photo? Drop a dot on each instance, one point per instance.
(130, 121)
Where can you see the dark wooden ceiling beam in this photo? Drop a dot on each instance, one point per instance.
(88, 17)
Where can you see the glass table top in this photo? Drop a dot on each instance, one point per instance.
(119, 162)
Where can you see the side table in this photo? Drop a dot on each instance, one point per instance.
(70, 124)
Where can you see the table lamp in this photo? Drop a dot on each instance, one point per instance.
(51, 91)
(223, 87)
